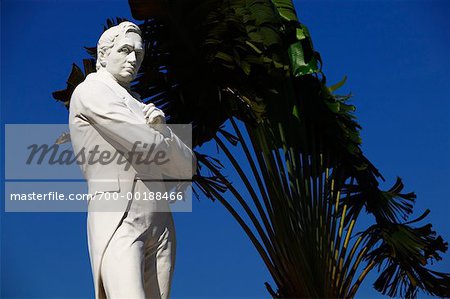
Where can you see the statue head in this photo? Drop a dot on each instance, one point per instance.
(120, 52)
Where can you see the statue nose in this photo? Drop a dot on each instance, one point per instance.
(132, 58)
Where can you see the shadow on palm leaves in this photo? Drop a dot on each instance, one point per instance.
(251, 63)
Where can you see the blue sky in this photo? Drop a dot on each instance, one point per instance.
(396, 57)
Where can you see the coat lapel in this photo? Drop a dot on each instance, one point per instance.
(121, 92)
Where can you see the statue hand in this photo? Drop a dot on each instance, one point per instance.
(154, 115)
(156, 119)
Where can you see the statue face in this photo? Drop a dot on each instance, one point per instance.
(125, 57)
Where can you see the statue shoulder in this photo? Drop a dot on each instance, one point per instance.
(91, 88)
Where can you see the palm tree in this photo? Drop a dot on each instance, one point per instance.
(251, 64)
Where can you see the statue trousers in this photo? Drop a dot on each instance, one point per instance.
(139, 260)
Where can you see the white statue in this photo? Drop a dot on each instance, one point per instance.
(131, 242)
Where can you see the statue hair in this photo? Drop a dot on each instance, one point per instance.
(107, 39)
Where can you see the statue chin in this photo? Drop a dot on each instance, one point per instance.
(124, 78)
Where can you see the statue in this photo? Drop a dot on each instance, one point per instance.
(131, 242)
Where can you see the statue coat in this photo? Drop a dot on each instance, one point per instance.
(106, 115)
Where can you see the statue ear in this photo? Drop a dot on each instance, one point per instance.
(101, 58)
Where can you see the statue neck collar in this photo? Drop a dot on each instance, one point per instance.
(107, 77)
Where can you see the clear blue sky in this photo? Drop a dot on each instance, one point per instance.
(396, 57)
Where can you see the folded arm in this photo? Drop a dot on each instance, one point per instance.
(113, 119)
